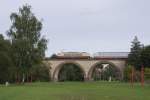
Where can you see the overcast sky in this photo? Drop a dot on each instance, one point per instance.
(86, 25)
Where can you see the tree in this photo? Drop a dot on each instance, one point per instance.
(28, 45)
(145, 56)
(110, 71)
(134, 55)
(6, 63)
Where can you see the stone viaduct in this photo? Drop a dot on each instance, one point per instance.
(86, 63)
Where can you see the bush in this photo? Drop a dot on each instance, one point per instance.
(70, 72)
(137, 76)
(147, 75)
(40, 73)
(127, 73)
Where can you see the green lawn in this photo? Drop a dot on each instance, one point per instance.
(75, 91)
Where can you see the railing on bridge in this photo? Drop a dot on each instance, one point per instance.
(111, 55)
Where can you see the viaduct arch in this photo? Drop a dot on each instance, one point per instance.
(56, 71)
(117, 67)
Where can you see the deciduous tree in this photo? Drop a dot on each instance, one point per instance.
(28, 45)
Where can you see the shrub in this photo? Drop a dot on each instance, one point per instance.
(137, 76)
(40, 73)
(127, 73)
(147, 75)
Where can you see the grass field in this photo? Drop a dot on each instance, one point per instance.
(75, 91)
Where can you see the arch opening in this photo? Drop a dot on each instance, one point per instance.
(104, 71)
(70, 72)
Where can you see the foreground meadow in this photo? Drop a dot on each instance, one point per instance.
(75, 91)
